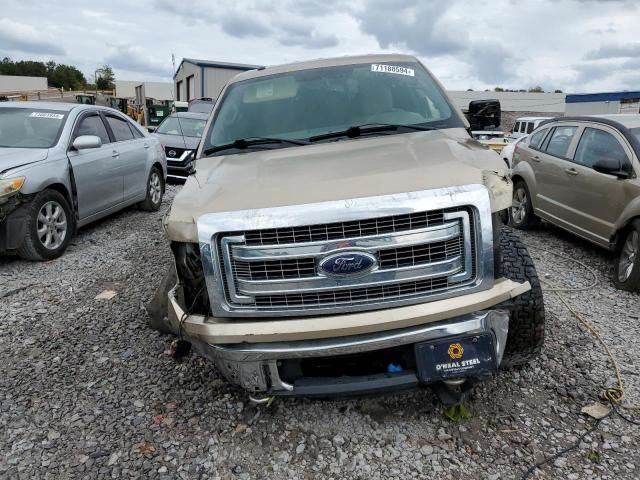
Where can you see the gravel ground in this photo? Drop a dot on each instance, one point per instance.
(87, 391)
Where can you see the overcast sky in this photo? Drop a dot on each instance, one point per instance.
(573, 45)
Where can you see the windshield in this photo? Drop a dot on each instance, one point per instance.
(30, 127)
(188, 127)
(306, 103)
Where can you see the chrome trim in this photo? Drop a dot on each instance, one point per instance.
(468, 254)
(375, 278)
(181, 158)
(376, 243)
(210, 225)
(254, 366)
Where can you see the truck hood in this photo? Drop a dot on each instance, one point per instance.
(11, 158)
(362, 167)
(177, 141)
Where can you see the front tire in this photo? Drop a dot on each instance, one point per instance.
(50, 225)
(626, 275)
(527, 316)
(521, 214)
(155, 190)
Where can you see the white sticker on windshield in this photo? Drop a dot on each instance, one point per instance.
(56, 116)
(392, 69)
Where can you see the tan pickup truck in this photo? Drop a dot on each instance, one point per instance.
(342, 235)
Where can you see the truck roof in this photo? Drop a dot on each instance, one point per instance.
(323, 62)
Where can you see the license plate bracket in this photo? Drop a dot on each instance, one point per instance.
(455, 357)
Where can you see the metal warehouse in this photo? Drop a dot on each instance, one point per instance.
(203, 78)
(601, 103)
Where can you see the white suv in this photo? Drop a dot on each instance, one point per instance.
(526, 125)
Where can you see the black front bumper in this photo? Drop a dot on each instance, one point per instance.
(13, 224)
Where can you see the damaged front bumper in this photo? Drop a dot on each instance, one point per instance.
(259, 368)
(13, 222)
(275, 356)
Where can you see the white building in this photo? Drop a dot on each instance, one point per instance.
(602, 103)
(203, 78)
(514, 101)
(156, 90)
(17, 83)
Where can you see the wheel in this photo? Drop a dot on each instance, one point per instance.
(50, 225)
(626, 274)
(521, 212)
(155, 189)
(527, 317)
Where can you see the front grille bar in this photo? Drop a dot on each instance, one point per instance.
(410, 238)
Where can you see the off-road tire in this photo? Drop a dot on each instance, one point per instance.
(149, 204)
(530, 220)
(32, 248)
(526, 311)
(632, 282)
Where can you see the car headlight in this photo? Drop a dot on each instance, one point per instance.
(9, 186)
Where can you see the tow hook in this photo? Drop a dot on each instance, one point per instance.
(452, 391)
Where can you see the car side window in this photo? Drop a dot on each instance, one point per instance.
(120, 128)
(529, 127)
(136, 132)
(536, 139)
(516, 127)
(558, 144)
(93, 125)
(596, 144)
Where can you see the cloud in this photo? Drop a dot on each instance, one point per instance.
(134, 59)
(17, 36)
(419, 26)
(629, 50)
(300, 34)
(241, 26)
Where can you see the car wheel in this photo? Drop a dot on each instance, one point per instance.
(155, 190)
(626, 274)
(526, 311)
(50, 225)
(521, 214)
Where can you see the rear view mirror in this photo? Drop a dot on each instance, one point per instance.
(611, 166)
(484, 114)
(87, 141)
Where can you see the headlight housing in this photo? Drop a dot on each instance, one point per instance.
(9, 186)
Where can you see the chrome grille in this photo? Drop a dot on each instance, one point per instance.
(424, 246)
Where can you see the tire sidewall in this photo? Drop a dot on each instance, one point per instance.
(528, 210)
(32, 224)
(148, 203)
(632, 283)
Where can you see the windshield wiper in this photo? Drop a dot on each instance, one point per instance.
(357, 130)
(244, 143)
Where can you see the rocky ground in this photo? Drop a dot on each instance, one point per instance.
(86, 390)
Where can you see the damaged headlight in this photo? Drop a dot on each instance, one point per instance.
(9, 186)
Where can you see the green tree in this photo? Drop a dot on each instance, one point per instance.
(58, 75)
(106, 78)
(537, 89)
(498, 89)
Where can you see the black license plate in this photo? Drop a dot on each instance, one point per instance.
(470, 356)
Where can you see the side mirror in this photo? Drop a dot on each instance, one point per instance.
(151, 129)
(87, 141)
(484, 114)
(611, 166)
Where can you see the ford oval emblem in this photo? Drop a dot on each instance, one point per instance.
(347, 264)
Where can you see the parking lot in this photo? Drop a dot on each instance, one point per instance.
(87, 390)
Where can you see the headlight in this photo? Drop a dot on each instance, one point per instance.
(9, 186)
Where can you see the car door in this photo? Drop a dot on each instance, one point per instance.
(132, 147)
(593, 201)
(552, 160)
(96, 171)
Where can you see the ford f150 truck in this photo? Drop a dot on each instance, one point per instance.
(342, 235)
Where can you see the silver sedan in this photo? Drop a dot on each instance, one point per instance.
(63, 166)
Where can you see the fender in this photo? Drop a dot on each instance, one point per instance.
(523, 170)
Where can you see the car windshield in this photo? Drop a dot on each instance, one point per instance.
(30, 127)
(187, 127)
(307, 103)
